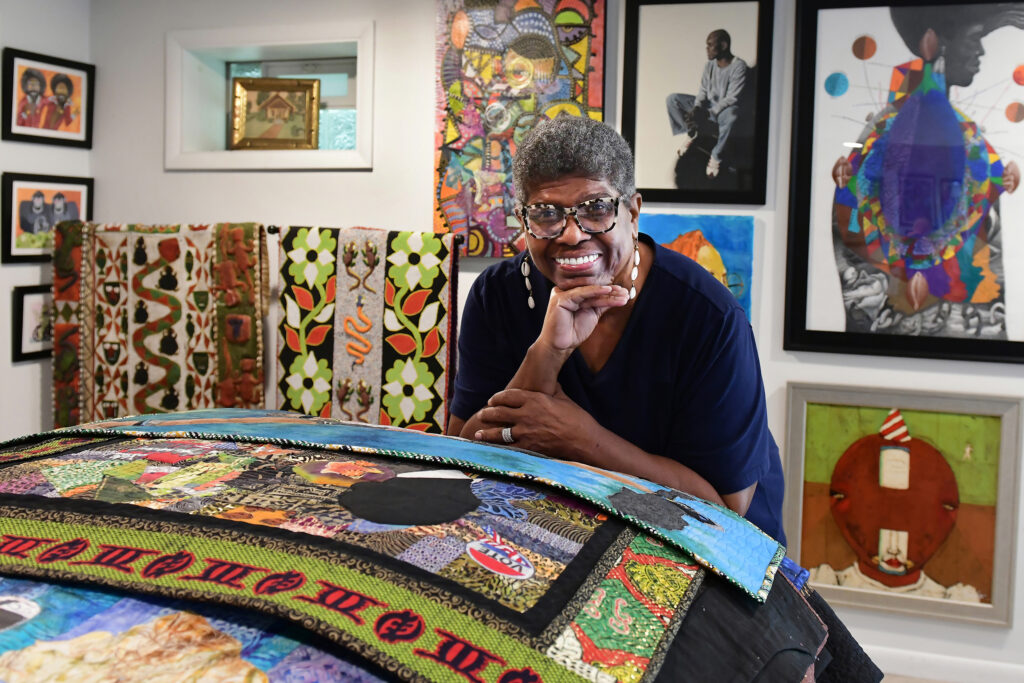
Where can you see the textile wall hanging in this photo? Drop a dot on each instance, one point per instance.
(367, 326)
(413, 556)
(156, 318)
(500, 70)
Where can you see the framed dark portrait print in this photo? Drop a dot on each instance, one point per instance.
(47, 99)
(906, 229)
(695, 98)
(32, 205)
(32, 322)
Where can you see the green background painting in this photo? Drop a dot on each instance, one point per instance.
(970, 443)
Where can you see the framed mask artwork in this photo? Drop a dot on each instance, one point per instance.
(47, 99)
(904, 501)
(905, 210)
(31, 206)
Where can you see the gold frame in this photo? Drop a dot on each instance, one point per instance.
(241, 89)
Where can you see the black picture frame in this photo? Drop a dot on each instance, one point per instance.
(825, 310)
(54, 125)
(656, 30)
(19, 308)
(11, 221)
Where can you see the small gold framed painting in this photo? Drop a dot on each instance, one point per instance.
(275, 113)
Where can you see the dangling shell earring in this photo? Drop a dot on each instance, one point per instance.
(525, 270)
(940, 63)
(636, 270)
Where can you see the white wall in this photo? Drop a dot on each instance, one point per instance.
(59, 28)
(127, 42)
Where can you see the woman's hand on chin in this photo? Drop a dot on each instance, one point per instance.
(572, 314)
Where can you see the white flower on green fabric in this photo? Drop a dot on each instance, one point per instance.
(407, 392)
(312, 256)
(414, 261)
(309, 383)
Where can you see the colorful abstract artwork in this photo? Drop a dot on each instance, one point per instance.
(365, 325)
(899, 500)
(724, 245)
(350, 547)
(156, 318)
(502, 67)
(53, 631)
(917, 137)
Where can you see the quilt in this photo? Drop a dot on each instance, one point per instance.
(399, 553)
(367, 325)
(156, 318)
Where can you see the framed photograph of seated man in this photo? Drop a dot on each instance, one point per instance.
(904, 501)
(695, 97)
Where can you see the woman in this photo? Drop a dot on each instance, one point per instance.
(599, 346)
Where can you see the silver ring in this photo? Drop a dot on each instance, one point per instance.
(506, 435)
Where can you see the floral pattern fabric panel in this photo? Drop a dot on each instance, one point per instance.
(156, 318)
(367, 331)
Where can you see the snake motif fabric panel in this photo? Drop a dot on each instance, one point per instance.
(156, 318)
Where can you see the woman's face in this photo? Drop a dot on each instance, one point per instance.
(577, 258)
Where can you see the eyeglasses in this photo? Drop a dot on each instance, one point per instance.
(548, 221)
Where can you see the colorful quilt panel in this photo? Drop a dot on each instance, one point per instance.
(717, 538)
(502, 68)
(156, 318)
(367, 325)
(424, 569)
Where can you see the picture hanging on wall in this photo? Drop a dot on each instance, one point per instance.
(275, 113)
(501, 70)
(695, 99)
(724, 245)
(905, 214)
(31, 322)
(32, 205)
(47, 99)
(904, 501)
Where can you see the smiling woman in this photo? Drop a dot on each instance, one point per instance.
(637, 351)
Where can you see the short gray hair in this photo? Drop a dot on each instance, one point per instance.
(573, 145)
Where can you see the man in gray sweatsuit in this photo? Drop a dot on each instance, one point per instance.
(717, 101)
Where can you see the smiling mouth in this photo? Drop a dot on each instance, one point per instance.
(577, 260)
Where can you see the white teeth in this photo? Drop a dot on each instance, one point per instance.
(576, 260)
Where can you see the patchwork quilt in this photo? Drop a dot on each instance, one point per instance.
(264, 545)
(367, 325)
(156, 318)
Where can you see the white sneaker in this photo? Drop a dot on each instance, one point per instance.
(713, 166)
(687, 141)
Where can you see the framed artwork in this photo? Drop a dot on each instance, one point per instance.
(47, 99)
(502, 68)
(32, 205)
(904, 200)
(31, 322)
(904, 501)
(695, 99)
(724, 245)
(275, 113)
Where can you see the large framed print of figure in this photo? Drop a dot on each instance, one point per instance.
(904, 501)
(905, 227)
(695, 99)
(47, 99)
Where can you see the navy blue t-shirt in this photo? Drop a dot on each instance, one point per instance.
(684, 380)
